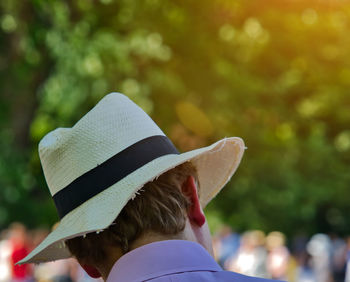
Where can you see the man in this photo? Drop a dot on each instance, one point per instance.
(131, 206)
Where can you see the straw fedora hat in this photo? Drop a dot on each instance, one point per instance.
(94, 168)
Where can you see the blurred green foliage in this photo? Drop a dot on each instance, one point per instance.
(276, 73)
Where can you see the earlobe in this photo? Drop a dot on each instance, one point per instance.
(91, 271)
(195, 212)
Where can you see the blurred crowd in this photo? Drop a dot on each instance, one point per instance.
(16, 242)
(319, 258)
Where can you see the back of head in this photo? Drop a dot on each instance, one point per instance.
(159, 208)
(95, 167)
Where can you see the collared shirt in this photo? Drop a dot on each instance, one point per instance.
(173, 260)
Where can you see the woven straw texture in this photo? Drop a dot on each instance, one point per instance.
(114, 124)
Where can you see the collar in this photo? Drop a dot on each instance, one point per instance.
(162, 258)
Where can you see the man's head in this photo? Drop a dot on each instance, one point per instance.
(160, 211)
(95, 171)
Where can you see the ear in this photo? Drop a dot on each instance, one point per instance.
(91, 270)
(195, 212)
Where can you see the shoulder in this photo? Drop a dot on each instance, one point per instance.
(208, 276)
(233, 276)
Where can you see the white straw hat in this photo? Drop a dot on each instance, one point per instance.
(94, 168)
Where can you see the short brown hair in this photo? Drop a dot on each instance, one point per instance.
(161, 207)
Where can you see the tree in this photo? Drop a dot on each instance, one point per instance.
(276, 73)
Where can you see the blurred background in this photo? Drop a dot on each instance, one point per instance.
(274, 72)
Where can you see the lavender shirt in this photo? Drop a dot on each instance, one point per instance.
(173, 260)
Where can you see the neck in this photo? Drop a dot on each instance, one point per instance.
(116, 253)
(151, 237)
(191, 232)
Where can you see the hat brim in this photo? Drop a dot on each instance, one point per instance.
(215, 165)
